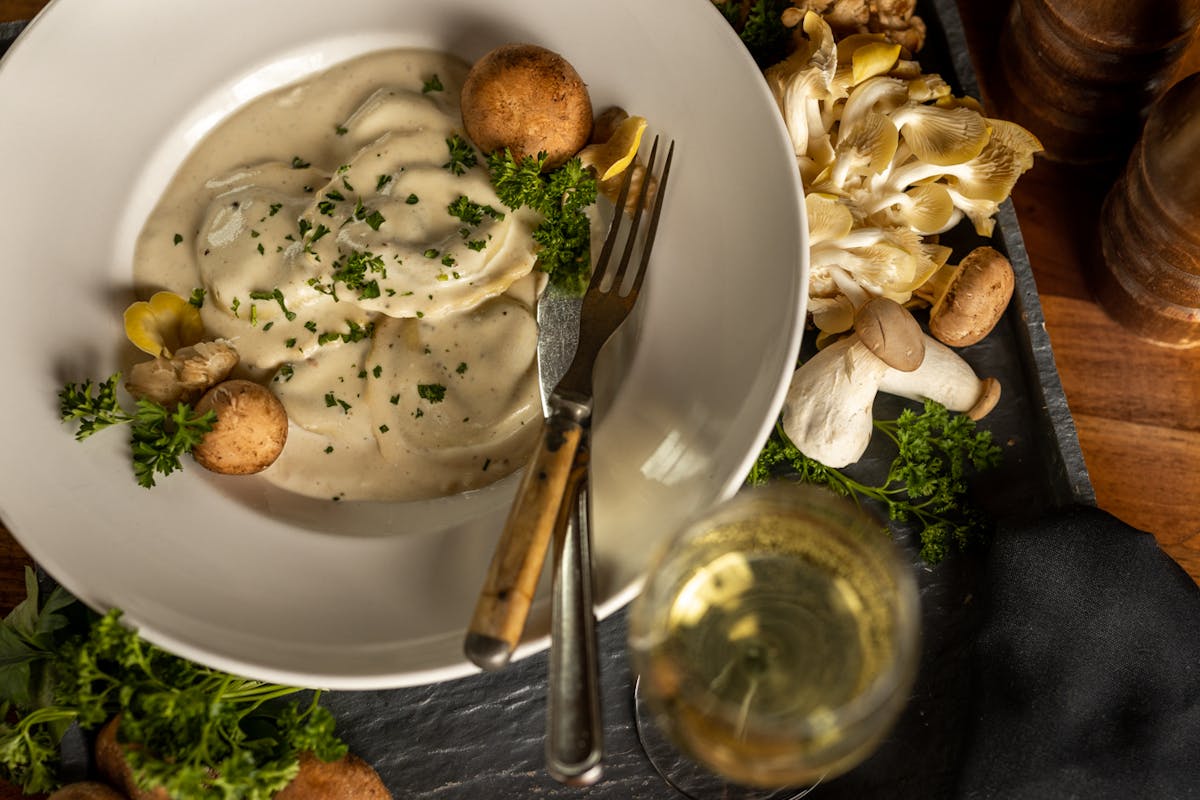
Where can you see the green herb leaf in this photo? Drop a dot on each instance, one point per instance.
(926, 482)
(462, 155)
(433, 392)
(562, 197)
(94, 407)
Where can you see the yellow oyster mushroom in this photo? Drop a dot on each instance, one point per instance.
(942, 136)
(873, 59)
(163, 324)
(828, 218)
(613, 157)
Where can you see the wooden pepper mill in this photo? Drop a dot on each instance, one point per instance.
(1149, 280)
(1081, 74)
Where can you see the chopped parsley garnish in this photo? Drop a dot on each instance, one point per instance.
(299, 163)
(332, 400)
(341, 130)
(462, 155)
(382, 181)
(352, 271)
(197, 298)
(177, 238)
(412, 200)
(433, 392)
(471, 213)
(461, 368)
(433, 84)
(374, 220)
(354, 333)
(276, 295)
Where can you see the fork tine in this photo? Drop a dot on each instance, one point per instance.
(635, 225)
(648, 243)
(614, 227)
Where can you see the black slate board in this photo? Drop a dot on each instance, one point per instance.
(482, 736)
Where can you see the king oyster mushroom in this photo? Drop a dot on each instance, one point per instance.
(827, 413)
(828, 410)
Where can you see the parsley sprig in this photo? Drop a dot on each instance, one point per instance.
(759, 24)
(158, 435)
(562, 197)
(926, 483)
(196, 731)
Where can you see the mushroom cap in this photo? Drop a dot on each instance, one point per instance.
(250, 431)
(529, 100)
(974, 300)
(889, 331)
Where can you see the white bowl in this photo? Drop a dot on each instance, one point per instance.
(99, 102)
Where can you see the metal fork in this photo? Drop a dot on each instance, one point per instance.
(511, 580)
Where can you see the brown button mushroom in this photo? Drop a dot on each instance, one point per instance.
(250, 431)
(968, 300)
(529, 100)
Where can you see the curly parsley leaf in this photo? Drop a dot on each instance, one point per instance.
(195, 731)
(759, 24)
(562, 197)
(95, 407)
(926, 483)
(462, 155)
(158, 435)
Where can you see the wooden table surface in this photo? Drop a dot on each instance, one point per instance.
(1136, 405)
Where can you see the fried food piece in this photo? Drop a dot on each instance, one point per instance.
(347, 778)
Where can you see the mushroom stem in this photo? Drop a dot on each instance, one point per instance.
(827, 413)
(946, 378)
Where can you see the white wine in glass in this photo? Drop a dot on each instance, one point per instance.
(776, 637)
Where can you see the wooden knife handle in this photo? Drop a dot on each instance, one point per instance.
(512, 577)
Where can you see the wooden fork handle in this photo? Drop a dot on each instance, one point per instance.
(512, 577)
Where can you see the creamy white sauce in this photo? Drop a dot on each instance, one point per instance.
(400, 336)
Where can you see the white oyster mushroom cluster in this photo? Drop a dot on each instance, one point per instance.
(889, 158)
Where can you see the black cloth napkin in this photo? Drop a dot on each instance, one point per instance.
(1086, 667)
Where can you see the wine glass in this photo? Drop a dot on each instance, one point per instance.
(776, 641)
